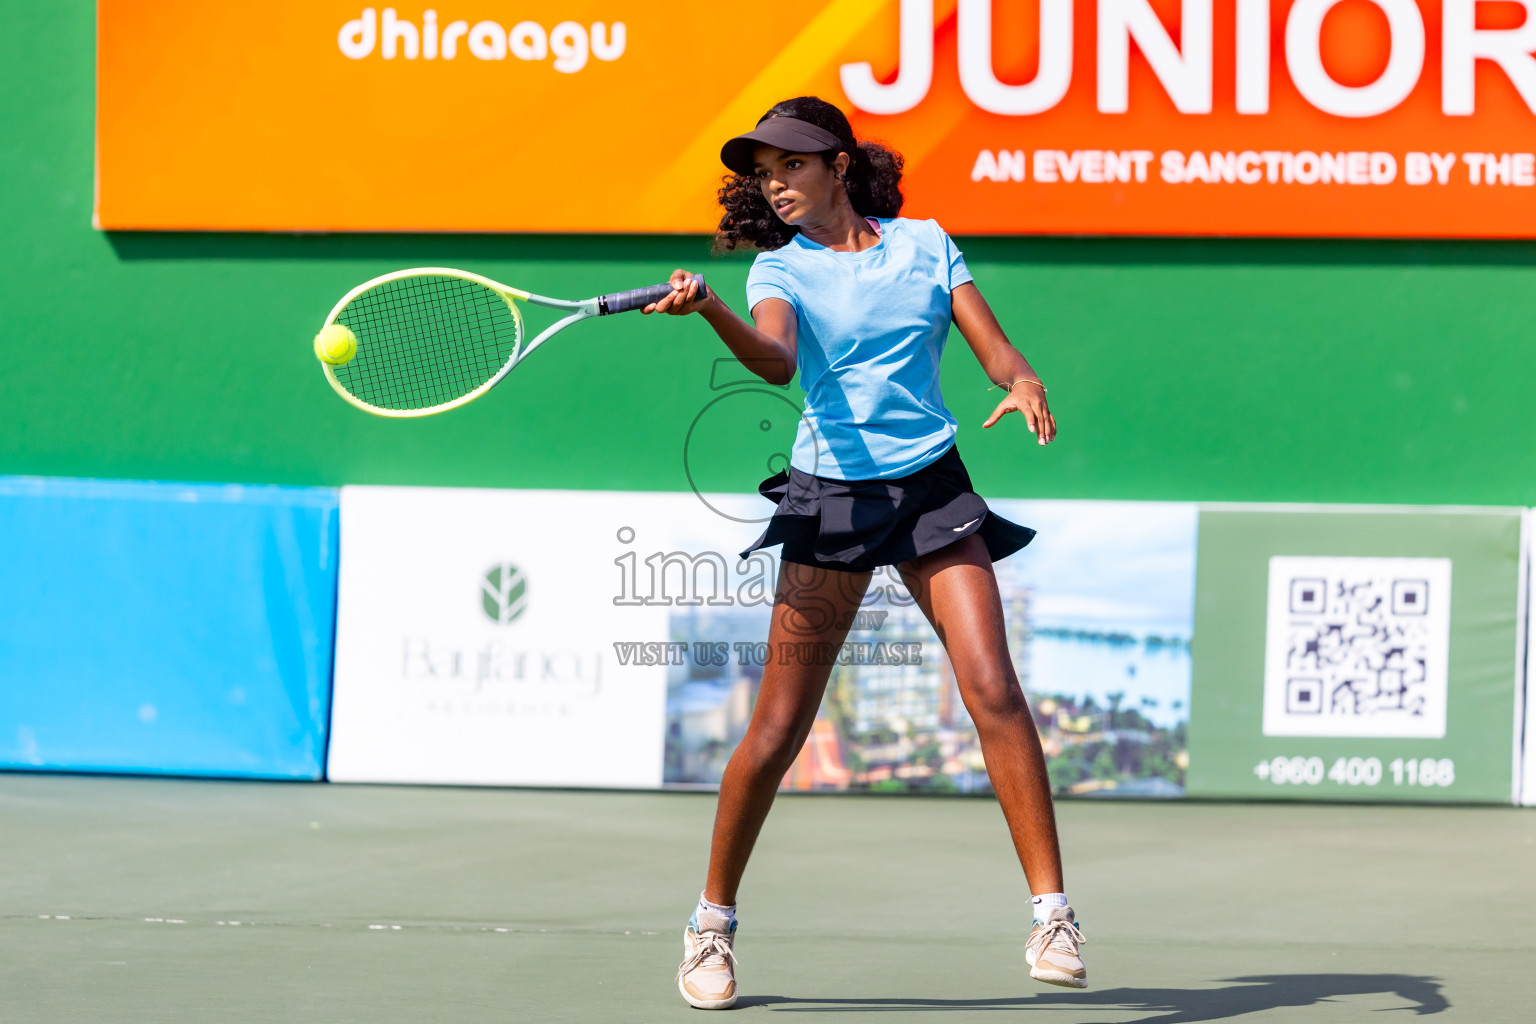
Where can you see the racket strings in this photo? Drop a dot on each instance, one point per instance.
(426, 341)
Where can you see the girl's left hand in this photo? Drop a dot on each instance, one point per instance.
(1028, 399)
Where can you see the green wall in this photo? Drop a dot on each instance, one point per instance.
(1211, 369)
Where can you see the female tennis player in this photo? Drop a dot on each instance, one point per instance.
(860, 300)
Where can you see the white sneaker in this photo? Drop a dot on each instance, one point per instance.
(707, 976)
(1052, 950)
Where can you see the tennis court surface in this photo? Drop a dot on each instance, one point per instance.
(129, 900)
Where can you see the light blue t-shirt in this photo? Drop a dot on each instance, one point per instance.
(872, 326)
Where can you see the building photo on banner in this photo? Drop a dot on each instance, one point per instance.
(488, 486)
(1099, 634)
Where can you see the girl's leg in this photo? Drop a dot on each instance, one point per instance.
(957, 591)
(811, 606)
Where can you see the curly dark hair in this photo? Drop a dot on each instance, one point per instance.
(873, 181)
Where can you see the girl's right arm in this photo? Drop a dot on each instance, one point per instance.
(766, 346)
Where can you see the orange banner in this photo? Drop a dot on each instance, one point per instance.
(1230, 117)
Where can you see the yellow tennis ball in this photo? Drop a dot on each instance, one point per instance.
(335, 344)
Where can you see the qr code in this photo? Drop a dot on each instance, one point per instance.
(1357, 647)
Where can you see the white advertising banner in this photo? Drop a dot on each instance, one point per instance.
(483, 635)
(616, 639)
(1525, 706)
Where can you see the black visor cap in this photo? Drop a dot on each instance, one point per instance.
(787, 133)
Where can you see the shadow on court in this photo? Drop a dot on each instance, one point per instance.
(1252, 994)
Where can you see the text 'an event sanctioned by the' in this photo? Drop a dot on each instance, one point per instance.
(1252, 167)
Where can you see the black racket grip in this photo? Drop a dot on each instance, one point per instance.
(639, 298)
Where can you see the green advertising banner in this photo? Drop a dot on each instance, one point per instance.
(1356, 654)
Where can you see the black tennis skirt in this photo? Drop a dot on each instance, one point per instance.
(860, 525)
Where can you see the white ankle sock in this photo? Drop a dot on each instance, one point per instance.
(716, 908)
(1046, 902)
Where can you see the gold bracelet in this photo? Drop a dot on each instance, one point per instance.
(1021, 380)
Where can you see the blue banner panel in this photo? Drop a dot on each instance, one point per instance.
(166, 628)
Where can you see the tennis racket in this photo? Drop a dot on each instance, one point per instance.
(432, 339)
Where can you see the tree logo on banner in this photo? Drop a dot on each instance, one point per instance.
(503, 593)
